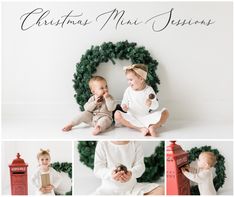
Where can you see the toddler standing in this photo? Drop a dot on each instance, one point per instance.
(44, 168)
(204, 174)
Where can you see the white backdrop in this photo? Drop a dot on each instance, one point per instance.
(195, 62)
(60, 151)
(84, 176)
(226, 149)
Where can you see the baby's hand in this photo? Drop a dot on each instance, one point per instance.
(49, 188)
(116, 175)
(98, 100)
(43, 190)
(125, 107)
(148, 102)
(106, 94)
(185, 168)
(125, 177)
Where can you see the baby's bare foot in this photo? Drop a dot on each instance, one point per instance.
(67, 128)
(143, 130)
(97, 130)
(153, 131)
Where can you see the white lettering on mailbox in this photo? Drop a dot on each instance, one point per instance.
(18, 169)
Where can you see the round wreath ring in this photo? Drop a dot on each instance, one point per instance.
(219, 167)
(154, 164)
(108, 51)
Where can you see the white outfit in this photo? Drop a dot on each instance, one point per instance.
(204, 179)
(138, 113)
(108, 156)
(55, 180)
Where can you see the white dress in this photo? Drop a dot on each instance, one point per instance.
(55, 180)
(138, 113)
(108, 156)
(204, 179)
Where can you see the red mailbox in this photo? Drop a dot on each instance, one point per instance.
(19, 176)
(177, 183)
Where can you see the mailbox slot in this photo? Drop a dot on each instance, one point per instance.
(18, 173)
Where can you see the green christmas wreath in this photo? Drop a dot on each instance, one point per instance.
(64, 167)
(154, 164)
(109, 51)
(219, 167)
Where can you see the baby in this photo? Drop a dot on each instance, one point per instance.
(121, 179)
(45, 179)
(98, 109)
(203, 175)
(140, 102)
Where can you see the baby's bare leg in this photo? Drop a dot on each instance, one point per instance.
(153, 127)
(102, 124)
(67, 128)
(156, 191)
(82, 117)
(163, 119)
(118, 118)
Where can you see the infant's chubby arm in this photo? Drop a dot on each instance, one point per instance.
(151, 99)
(110, 102)
(196, 177)
(91, 104)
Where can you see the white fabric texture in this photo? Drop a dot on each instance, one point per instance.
(138, 113)
(136, 101)
(108, 156)
(65, 184)
(143, 121)
(55, 180)
(204, 179)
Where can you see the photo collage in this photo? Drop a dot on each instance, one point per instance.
(117, 98)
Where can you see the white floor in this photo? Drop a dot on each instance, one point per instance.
(26, 128)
